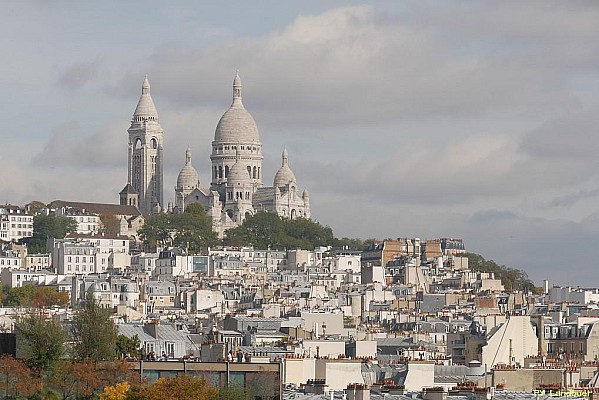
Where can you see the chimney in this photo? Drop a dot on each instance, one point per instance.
(357, 391)
(152, 328)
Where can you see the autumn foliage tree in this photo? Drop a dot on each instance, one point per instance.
(16, 380)
(183, 387)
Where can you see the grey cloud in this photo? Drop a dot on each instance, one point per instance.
(571, 136)
(77, 75)
(573, 197)
(70, 146)
(488, 216)
(351, 65)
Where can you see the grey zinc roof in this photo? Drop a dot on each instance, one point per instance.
(166, 332)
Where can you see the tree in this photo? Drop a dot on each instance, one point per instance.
(128, 346)
(511, 278)
(45, 296)
(16, 379)
(76, 380)
(183, 387)
(232, 392)
(42, 341)
(35, 207)
(309, 233)
(156, 231)
(93, 332)
(116, 392)
(191, 230)
(262, 230)
(34, 296)
(110, 224)
(49, 226)
(18, 296)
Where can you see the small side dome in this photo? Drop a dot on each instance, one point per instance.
(284, 175)
(305, 195)
(188, 177)
(238, 173)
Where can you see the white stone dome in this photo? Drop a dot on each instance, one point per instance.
(145, 106)
(188, 177)
(238, 173)
(237, 125)
(284, 175)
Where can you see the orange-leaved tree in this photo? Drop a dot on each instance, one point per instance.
(183, 387)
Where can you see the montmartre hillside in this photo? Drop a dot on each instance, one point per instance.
(234, 290)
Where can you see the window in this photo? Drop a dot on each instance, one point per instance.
(170, 349)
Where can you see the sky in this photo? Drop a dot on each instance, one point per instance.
(473, 120)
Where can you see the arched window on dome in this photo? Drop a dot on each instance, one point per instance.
(220, 171)
(249, 171)
(258, 172)
(293, 214)
(154, 143)
(254, 174)
(215, 173)
(226, 171)
(247, 214)
(138, 144)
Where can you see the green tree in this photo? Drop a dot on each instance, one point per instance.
(46, 227)
(93, 332)
(261, 230)
(264, 230)
(511, 278)
(308, 234)
(42, 340)
(233, 392)
(156, 231)
(35, 207)
(128, 345)
(18, 296)
(191, 230)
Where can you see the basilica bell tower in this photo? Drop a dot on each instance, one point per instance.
(145, 161)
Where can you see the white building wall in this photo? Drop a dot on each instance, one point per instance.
(516, 338)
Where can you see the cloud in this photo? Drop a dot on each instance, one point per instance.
(78, 75)
(352, 65)
(572, 136)
(69, 146)
(474, 120)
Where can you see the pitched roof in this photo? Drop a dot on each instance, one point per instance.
(98, 208)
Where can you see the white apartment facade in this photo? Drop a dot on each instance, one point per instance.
(15, 223)
(87, 254)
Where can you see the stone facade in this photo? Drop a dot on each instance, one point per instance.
(236, 189)
(145, 158)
